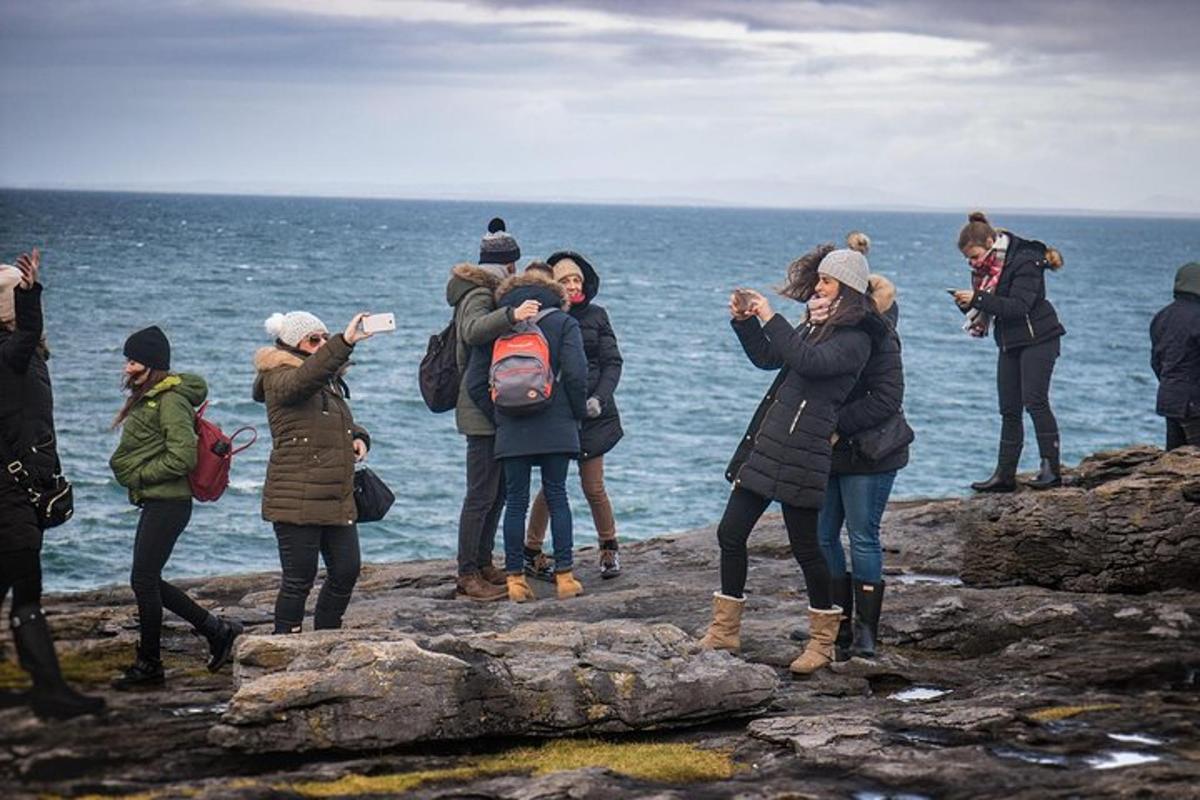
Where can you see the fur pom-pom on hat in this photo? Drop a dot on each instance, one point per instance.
(293, 326)
(10, 278)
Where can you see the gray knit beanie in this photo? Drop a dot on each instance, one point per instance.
(848, 267)
(498, 246)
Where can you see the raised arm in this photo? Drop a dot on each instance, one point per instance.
(754, 342)
(19, 346)
(294, 385)
(839, 355)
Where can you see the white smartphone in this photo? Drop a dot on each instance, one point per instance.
(379, 323)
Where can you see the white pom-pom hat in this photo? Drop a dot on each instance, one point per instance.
(293, 326)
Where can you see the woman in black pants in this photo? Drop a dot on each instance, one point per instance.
(156, 453)
(785, 454)
(27, 434)
(1009, 294)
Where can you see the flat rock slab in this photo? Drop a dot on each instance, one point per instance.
(365, 690)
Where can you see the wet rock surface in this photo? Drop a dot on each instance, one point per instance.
(1024, 691)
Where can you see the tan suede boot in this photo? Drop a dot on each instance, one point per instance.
(518, 589)
(822, 632)
(567, 585)
(725, 631)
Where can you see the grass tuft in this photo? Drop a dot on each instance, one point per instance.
(1056, 713)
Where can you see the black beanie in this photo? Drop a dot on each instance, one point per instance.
(498, 246)
(150, 347)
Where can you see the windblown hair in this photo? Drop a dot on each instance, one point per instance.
(136, 392)
(978, 232)
(802, 274)
(540, 268)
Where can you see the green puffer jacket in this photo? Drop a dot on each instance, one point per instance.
(158, 441)
(310, 476)
(478, 322)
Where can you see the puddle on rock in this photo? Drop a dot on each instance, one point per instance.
(199, 711)
(1031, 756)
(925, 577)
(1136, 738)
(917, 694)
(1115, 759)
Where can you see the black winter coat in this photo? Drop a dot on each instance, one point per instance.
(598, 434)
(1175, 357)
(785, 454)
(876, 397)
(1023, 315)
(26, 419)
(556, 428)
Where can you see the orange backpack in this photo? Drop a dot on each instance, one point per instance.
(521, 379)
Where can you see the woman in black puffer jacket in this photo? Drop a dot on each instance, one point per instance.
(600, 431)
(785, 454)
(27, 430)
(1009, 292)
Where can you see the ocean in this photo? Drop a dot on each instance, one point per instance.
(210, 269)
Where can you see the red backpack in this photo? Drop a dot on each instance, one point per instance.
(214, 455)
(521, 380)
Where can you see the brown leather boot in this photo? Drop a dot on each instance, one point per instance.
(822, 632)
(725, 631)
(518, 589)
(492, 574)
(567, 585)
(474, 587)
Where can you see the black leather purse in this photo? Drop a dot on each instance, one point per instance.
(875, 444)
(54, 503)
(372, 497)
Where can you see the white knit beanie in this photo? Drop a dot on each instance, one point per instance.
(10, 277)
(848, 267)
(293, 326)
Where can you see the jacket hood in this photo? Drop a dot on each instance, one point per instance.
(531, 286)
(1187, 279)
(882, 291)
(192, 387)
(591, 280)
(464, 278)
(267, 359)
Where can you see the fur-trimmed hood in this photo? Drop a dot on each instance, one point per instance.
(516, 289)
(591, 279)
(270, 357)
(465, 277)
(882, 291)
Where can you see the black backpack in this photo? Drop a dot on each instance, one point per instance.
(438, 375)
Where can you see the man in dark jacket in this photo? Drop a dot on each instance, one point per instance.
(1175, 357)
(27, 436)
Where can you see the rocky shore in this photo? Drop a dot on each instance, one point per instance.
(1034, 645)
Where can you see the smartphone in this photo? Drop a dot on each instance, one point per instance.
(379, 323)
(742, 299)
(952, 291)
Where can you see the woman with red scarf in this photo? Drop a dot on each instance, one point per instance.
(1008, 296)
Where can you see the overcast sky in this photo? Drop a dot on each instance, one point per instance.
(938, 103)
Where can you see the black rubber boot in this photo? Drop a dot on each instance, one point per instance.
(843, 595)
(220, 641)
(1004, 479)
(144, 673)
(50, 697)
(1048, 477)
(868, 600)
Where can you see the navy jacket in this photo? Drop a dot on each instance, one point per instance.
(1175, 355)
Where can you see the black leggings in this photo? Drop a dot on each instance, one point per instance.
(21, 571)
(161, 523)
(741, 512)
(299, 546)
(1023, 384)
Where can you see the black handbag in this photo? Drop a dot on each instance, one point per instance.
(54, 503)
(875, 444)
(372, 497)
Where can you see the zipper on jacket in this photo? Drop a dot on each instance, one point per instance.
(1029, 324)
(796, 419)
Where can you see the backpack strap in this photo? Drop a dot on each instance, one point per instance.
(541, 315)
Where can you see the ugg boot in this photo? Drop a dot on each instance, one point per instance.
(822, 631)
(868, 601)
(724, 633)
(473, 587)
(221, 633)
(567, 585)
(50, 697)
(493, 575)
(843, 596)
(518, 589)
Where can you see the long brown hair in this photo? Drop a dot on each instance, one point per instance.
(850, 308)
(136, 392)
(802, 274)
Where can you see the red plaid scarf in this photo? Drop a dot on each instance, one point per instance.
(985, 276)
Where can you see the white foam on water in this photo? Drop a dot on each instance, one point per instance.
(921, 577)
(1115, 759)
(915, 694)
(1135, 738)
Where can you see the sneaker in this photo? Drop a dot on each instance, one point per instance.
(610, 563)
(474, 587)
(540, 566)
(142, 674)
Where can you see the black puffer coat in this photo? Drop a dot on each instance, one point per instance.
(26, 419)
(1175, 348)
(785, 454)
(556, 428)
(877, 397)
(1023, 315)
(598, 434)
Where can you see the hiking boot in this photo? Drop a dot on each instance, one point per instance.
(724, 633)
(474, 587)
(493, 575)
(517, 589)
(567, 585)
(142, 674)
(539, 565)
(220, 642)
(51, 697)
(610, 564)
(822, 632)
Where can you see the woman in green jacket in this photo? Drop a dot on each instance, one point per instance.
(155, 455)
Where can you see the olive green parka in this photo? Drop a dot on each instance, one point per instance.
(157, 450)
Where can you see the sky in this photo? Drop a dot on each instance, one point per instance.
(1071, 104)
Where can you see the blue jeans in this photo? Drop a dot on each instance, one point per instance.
(859, 502)
(516, 504)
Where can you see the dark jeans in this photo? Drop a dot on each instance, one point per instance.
(481, 507)
(741, 512)
(299, 546)
(1182, 432)
(858, 501)
(159, 527)
(1023, 383)
(21, 571)
(554, 485)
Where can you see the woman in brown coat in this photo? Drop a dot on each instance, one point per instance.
(309, 493)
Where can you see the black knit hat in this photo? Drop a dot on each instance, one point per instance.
(150, 347)
(498, 246)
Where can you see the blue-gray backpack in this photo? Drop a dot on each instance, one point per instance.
(521, 380)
